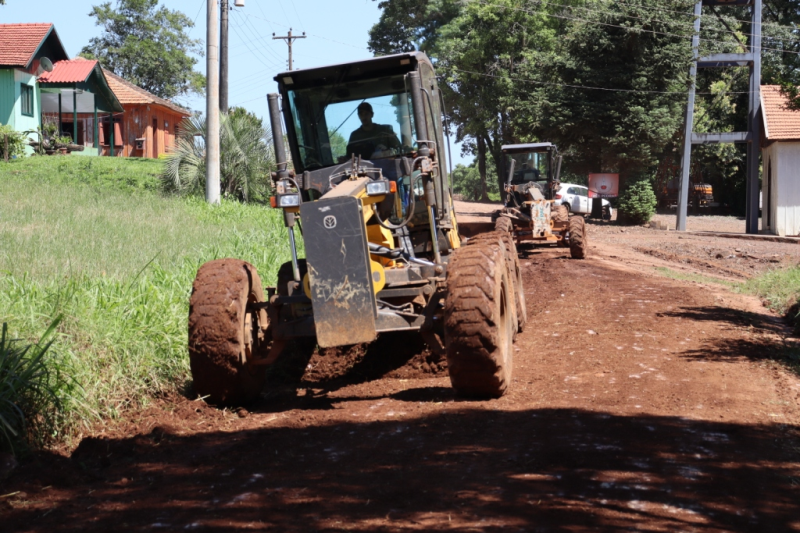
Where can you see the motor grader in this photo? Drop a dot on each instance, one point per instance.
(528, 212)
(382, 246)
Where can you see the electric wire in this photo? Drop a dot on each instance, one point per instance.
(588, 87)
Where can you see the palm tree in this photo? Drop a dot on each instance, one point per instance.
(246, 157)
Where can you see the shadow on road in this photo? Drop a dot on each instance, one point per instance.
(461, 469)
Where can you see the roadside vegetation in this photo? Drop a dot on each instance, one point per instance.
(780, 291)
(94, 241)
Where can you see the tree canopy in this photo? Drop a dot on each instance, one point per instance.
(605, 80)
(148, 46)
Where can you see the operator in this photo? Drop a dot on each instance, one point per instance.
(370, 139)
(526, 174)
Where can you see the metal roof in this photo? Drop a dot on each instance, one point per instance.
(19, 42)
(365, 67)
(528, 147)
(69, 71)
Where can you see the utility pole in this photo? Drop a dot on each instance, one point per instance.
(212, 104)
(223, 56)
(289, 40)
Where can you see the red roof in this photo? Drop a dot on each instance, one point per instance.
(69, 71)
(18, 42)
(780, 123)
(128, 93)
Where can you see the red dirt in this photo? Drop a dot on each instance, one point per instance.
(638, 403)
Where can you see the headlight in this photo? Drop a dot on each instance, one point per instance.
(289, 200)
(374, 188)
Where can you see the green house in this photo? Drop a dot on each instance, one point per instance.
(26, 51)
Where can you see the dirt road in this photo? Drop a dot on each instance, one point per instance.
(639, 403)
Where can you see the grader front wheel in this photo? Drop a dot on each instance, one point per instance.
(225, 336)
(578, 243)
(478, 322)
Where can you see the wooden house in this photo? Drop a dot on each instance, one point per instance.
(780, 158)
(149, 126)
(25, 51)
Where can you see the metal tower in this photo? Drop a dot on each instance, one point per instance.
(752, 136)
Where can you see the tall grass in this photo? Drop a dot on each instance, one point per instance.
(33, 392)
(118, 264)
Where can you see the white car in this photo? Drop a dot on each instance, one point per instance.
(576, 198)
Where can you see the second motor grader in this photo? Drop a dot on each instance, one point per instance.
(528, 213)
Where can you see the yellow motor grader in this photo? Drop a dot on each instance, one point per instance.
(367, 189)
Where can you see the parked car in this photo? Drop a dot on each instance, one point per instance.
(576, 198)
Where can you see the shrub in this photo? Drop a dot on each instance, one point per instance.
(29, 385)
(245, 158)
(637, 204)
(16, 142)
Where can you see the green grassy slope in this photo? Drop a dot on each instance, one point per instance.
(94, 240)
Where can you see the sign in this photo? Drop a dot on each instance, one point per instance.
(603, 185)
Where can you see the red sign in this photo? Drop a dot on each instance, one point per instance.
(603, 185)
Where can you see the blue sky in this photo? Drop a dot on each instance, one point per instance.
(336, 31)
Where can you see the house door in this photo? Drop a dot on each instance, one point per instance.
(155, 139)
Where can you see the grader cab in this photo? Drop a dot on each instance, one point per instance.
(367, 189)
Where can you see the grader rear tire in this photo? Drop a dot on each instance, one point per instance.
(478, 323)
(514, 272)
(224, 336)
(560, 214)
(578, 243)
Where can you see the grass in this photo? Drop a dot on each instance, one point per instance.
(92, 240)
(779, 289)
(699, 278)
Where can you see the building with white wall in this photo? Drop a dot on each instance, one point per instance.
(780, 159)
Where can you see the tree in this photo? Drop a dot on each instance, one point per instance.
(148, 46)
(613, 94)
(245, 163)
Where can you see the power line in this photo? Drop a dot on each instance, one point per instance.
(525, 80)
(262, 59)
(309, 34)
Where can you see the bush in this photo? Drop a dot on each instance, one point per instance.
(245, 158)
(637, 203)
(29, 386)
(16, 142)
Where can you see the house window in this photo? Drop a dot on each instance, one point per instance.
(26, 96)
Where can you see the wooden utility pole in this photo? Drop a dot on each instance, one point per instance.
(212, 104)
(223, 56)
(289, 40)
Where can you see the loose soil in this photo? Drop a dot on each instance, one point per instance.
(638, 403)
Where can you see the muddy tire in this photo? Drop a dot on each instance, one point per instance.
(285, 275)
(504, 224)
(478, 322)
(224, 336)
(514, 272)
(577, 238)
(560, 214)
